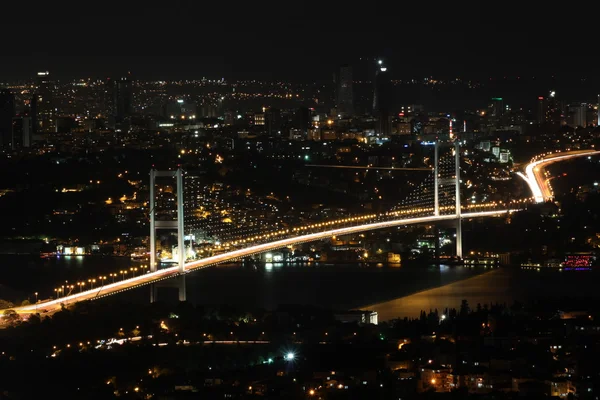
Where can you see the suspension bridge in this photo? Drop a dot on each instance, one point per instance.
(436, 199)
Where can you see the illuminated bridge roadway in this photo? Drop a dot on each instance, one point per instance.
(152, 277)
(534, 172)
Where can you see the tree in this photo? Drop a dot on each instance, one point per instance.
(464, 307)
(4, 304)
(11, 317)
(25, 302)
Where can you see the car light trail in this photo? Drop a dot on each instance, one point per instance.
(152, 277)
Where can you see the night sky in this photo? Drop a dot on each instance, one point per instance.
(298, 41)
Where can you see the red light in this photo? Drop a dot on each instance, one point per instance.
(540, 98)
(401, 114)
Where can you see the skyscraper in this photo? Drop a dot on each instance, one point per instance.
(598, 111)
(345, 94)
(7, 112)
(542, 110)
(43, 108)
(123, 99)
(555, 113)
(273, 121)
(497, 107)
(382, 99)
(21, 132)
(302, 120)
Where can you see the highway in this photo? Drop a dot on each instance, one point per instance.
(151, 277)
(534, 173)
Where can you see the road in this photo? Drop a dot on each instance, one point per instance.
(152, 277)
(534, 172)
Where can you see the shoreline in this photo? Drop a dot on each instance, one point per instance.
(475, 289)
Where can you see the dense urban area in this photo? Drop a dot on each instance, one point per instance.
(264, 161)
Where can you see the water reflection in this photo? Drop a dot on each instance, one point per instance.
(249, 284)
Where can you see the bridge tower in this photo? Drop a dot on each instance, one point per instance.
(457, 195)
(456, 179)
(177, 225)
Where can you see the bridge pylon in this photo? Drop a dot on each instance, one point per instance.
(457, 196)
(177, 225)
(456, 181)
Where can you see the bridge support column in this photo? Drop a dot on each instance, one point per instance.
(153, 293)
(178, 225)
(180, 241)
(153, 265)
(458, 202)
(436, 237)
(436, 174)
(182, 288)
(177, 282)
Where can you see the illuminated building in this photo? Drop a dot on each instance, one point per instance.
(497, 107)
(549, 109)
(193, 206)
(7, 111)
(578, 115)
(542, 107)
(345, 95)
(382, 100)
(180, 109)
(122, 100)
(259, 119)
(43, 107)
(579, 261)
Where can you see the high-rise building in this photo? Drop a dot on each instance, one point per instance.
(542, 110)
(33, 113)
(122, 99)
(43, 110)
(345, 94)
(302, 120)
(578, 115)
(7, 112)
(382, 99)
(21, 132)
(193, 205)
(497, 107)
(598, 110)
(555, 113)
(273, 121)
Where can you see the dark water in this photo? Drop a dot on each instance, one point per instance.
(264, 286)
(22, 276)
(392, 291)
(504, 285)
